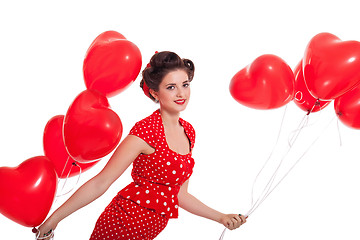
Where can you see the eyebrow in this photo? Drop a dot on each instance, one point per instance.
(173, 84)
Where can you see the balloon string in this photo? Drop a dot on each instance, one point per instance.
(94, 160)
(63, 170)
(273, 177)
(292, 167)
(222, 235)
(68, 174)
(302, 124)
(307, 150)
(276, 143)
(257, 176)
(77, 181)
(291, 142)
(37, 237)
(50, 237)
(268, 190)
(338, 128)
(58, 181)
(269, 183)
(306, 118)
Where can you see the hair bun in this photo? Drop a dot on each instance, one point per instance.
(189, 64)
(165, 59)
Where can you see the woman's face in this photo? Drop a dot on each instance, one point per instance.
(174, 91)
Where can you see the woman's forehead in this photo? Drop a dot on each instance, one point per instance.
(177, 76)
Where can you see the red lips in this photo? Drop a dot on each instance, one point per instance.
(180, 101)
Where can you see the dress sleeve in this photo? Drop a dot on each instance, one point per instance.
(145, 131)
(190, 132)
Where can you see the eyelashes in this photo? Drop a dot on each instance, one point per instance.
(172, 87)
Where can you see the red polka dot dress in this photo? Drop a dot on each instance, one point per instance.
(142, 209)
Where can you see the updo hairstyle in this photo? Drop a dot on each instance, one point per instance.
(161, 64)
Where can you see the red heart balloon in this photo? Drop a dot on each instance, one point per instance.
(303, 98)
(105, 38)
(267, 83)
(347, 108)
(91, 129)
(27, 191)
(54, 149)
(111, 64)
(331, 66)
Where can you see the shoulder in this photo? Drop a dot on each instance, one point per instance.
(189, 129)
(147, 129)
(187, 126)
(150, 122)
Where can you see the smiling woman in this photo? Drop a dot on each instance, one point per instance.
(160, 149)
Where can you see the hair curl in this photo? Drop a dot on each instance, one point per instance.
(161, 64)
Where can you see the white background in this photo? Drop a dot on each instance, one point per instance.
(42, 47)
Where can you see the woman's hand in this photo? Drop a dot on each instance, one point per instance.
(45, 229)
(233, 221)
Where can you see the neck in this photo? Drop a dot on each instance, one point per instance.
(170, 119)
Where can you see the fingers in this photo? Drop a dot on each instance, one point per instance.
(243, 218)
(40, 235)
(48, 233)
(235, 221)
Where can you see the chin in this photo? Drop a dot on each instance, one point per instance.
(182, 107)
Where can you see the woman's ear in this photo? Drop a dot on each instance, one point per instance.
(154, 94)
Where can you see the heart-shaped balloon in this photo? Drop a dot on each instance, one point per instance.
(27, 191)
(267, 83)
(91, 129)
(331, 66)
(105, 38)
(54, 149)
(111, 64)
(347, 108)
(302, 98)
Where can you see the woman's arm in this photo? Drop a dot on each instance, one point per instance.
(195, 206)
(123, 156)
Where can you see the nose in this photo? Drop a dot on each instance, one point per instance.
(180, 92)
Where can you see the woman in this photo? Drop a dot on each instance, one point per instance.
(159, 147)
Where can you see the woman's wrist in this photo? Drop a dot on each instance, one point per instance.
(53, 219)
(221, 218)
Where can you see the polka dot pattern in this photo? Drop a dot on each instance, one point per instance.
(142, 209)
(124, 220)
(159, 176)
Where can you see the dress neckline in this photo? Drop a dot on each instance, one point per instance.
(181, 121)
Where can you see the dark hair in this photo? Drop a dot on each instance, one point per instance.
(161, 64)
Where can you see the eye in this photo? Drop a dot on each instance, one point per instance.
(170, 87)
(186, 85)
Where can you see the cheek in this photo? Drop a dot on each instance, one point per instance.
(187, 92)
(167, 96)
